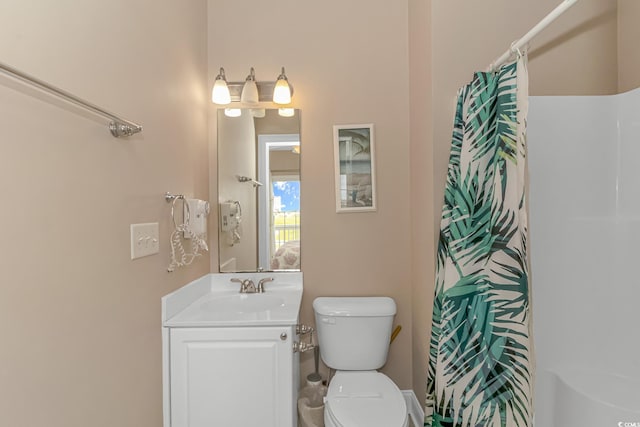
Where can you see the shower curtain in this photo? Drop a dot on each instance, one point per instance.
(480, 361)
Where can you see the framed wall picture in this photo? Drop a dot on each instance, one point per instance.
(355, 173)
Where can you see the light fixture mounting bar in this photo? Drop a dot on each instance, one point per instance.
(265, 90)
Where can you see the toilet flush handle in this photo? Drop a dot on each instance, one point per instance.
(328, 320)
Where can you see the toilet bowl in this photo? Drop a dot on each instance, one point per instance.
(353, 334)
(364, 398)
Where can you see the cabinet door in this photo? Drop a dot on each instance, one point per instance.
(231, 377)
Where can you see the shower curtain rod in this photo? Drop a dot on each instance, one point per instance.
(118, 126)
(518, 44)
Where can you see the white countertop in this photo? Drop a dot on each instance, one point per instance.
(212, 301)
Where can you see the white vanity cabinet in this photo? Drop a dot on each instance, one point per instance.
(230, 368)
(232, 377)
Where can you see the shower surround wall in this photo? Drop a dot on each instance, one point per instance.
(584, 161)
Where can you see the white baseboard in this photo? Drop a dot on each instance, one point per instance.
(413, 406)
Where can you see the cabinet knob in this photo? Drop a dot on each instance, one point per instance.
(283, 336)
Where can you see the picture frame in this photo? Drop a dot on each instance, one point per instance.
(354, 165)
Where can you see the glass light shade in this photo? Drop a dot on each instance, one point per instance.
(286, 112)
(282, 92)
(249, 92)
(220, 93)
(232, 112)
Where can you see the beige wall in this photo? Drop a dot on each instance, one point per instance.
(284, 163)
(342, 58)
(421, 185)
(628, 40)
(80, 321)
(273, 123)
(577, 54)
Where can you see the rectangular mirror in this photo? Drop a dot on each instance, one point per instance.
(259, 190)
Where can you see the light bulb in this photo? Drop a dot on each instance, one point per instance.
(282, 91)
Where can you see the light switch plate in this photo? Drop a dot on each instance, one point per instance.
(145, 239)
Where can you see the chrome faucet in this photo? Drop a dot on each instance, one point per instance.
(246, 286)
(262, 282)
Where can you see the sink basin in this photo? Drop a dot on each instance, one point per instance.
(214, 301)
(243, 303)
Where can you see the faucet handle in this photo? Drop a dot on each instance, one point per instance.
(246, 285)
(249, 287)
(262, 282)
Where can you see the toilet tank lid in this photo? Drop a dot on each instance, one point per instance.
(354, 306)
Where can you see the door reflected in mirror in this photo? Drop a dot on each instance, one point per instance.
(259, 191)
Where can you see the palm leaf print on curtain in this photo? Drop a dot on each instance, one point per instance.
(480, 373)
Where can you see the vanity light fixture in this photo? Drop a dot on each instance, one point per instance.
(251, 92)
(250, 89)
(220, 92)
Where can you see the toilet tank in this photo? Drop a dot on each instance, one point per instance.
(354, 332)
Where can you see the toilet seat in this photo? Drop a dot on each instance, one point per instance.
(364, 398)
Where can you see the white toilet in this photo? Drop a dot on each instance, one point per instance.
(354, 334)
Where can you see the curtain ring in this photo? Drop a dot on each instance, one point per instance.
(516, 50)
(519, 53)
(188, 211)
